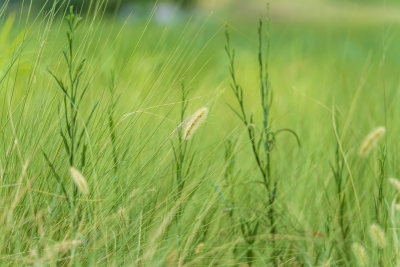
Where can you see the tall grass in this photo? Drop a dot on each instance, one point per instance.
(136, 169)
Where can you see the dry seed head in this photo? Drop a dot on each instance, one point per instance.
(395, 183)
(121, 213)
(63, 246)
(377, 235)
(172, 258)
(79, 180)
(66, 245)
(371, 140)
(195, 121)
(359, 253)
(199, 248)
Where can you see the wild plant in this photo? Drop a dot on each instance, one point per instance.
(340, 215)
(229, 173)
(186, 129)
(182, 162)
(72, 131)
(381, 211)
(371, 140)
(383, 247)
(360, 254)
(262, 137)
(111, 123)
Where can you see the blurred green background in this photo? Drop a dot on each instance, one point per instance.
(336, 11)
(112, 4)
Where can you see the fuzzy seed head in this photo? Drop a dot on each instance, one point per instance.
(360, 255)
(377, 235)
(395, 183)
(172, 258)
(199, 248)
(79, 180)
(194, 122)
(66, 245)
(371, 140)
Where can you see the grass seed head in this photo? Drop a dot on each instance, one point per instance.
(377, 235)
(360, 255)
(199, 248)
(122, 213)
(79, 180)
(371, 140)
(172, 258)
(195, 121)
(66, 245)
(395, 183)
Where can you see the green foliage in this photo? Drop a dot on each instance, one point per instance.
(241, 191)
(72, 131)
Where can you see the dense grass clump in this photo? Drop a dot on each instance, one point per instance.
(130, 142)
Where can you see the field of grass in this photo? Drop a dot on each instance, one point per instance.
(104, 160)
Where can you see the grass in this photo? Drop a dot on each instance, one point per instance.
(156, 199)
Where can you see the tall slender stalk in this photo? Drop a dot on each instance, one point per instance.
(111, 124)
(180, 150)
(262, 139)
(72, 131)
(340, 185)
(381, 212)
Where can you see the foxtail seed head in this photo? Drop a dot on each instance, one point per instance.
(395, 183)
(371, 140)
(66, 245)
(195, 121)
(377, 235)
(172, 258)
(199, 248)
(359, 253)
(79, 180)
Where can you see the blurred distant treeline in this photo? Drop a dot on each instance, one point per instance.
(113, 4)
(84, 5)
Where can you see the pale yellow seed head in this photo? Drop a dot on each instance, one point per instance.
(371, 140)
(66, 245)
(395, 183)
(360, 255)
(79, 180)
(199, 248)
(194, 122)
(377, 235)
(172, 258)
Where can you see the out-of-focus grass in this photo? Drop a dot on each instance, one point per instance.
(316, 68)
(314, 12)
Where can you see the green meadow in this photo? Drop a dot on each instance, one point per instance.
(201, 139)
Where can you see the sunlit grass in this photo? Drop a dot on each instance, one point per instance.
(149, 197)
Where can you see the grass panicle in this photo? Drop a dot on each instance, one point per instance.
(396, 183)
(377, 235)
(262, 137)
(79, 180)
(371, 140)
(194, 123)
(360, 254)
